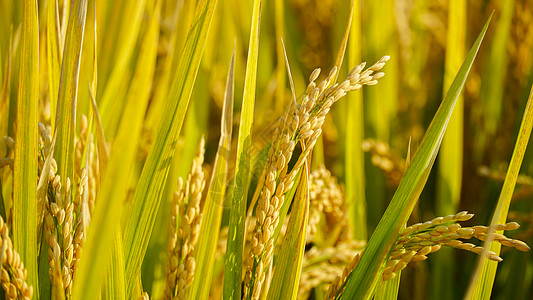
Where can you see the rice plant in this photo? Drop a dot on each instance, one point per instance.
(170, 149)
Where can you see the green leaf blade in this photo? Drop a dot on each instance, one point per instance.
(483, 277)
(362, 283)
(286, 278)
(210, 226)
(53, 58)
(25, 164)
(103, 233)
(153, 177)
(68, 91)
(114, 287)
(235, 247)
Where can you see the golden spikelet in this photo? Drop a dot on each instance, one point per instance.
(58, 223)
(80, 142)
(82, 219)
(13, 274)
(421, 239)
(184, 228)
(304, 128)
(326, 198)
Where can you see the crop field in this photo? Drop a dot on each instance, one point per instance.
(276, 149)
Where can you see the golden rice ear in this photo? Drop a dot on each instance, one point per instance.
(327, 203)
(304, 127)
(184, 227)
(13, 279)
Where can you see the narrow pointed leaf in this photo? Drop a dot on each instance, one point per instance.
(68, 91)
(131, 17)
(53, 58)
(483, 277)
(362, 282)
(344, 41)
(154, 174)
(286, 278)
(235, 247)
(103, 152)
(102, 238)
(214, 202)
(114, 287)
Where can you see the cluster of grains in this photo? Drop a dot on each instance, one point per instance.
(421, 239)
(13, 274)
(65, 218)
(303, 125)
(81, 208)
(184, 228)
(388, 162)
(86, 182)
(325, 197)
(321, 266)
(59, 227)
(80, 143)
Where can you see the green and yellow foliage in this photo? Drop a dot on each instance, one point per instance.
(173, 149)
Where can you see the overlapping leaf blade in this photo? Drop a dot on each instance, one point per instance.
(235, 246)
(153, 177)
(68, 91)
(362, 282)
(214, 203)
(103, 233)
(483, 277)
